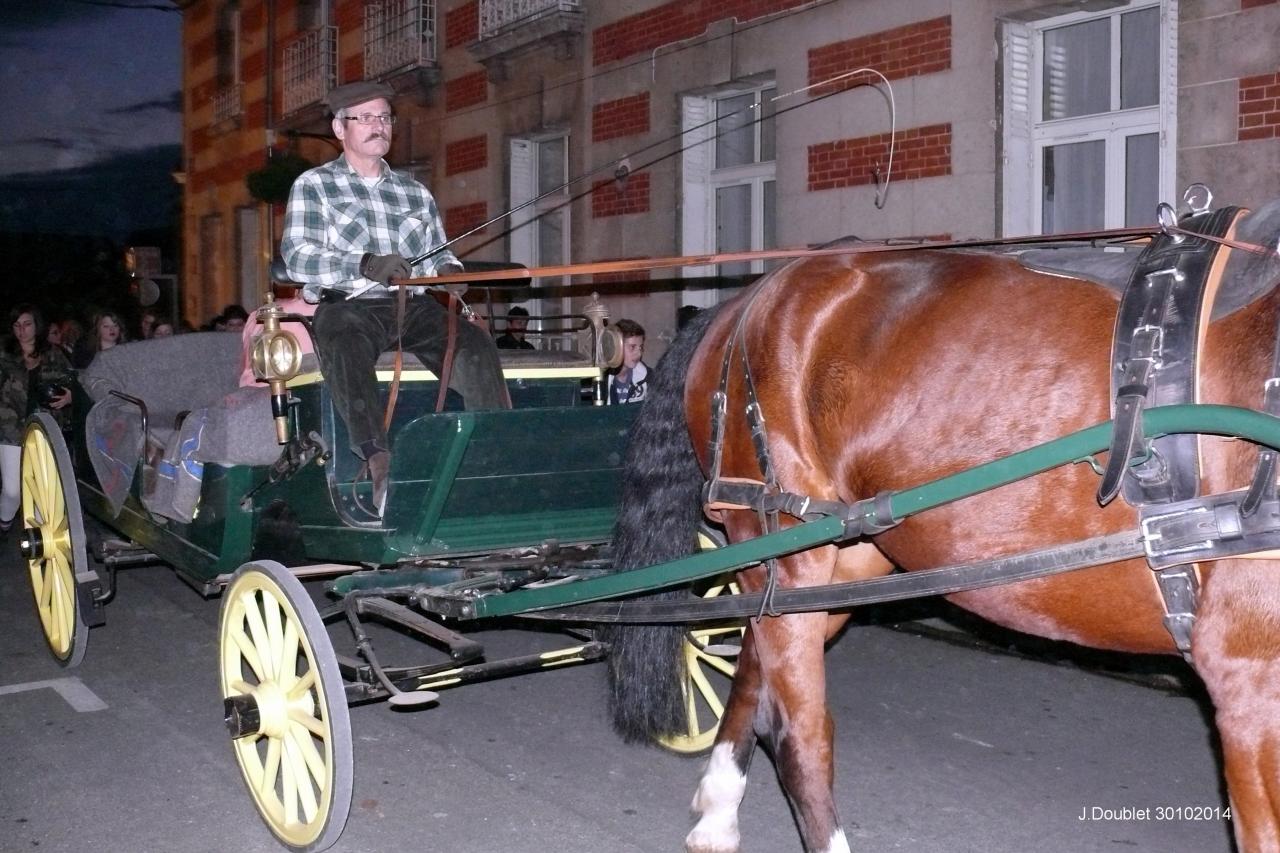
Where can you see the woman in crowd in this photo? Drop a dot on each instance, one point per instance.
(33, 375)
(108, 330)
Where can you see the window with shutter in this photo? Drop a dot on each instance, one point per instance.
(1088, 112)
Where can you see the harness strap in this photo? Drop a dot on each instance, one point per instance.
(393, 393)
(896, 587)
(450, 347)
(1147, 346)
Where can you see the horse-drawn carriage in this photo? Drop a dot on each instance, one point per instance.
(869, 406)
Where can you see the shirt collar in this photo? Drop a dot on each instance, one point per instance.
(347, 167)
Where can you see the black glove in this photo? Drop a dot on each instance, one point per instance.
(383, 268)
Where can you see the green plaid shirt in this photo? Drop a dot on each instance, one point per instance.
(334, 217)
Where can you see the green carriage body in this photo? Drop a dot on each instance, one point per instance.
(462, 483)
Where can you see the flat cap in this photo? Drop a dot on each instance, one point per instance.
(350, 94)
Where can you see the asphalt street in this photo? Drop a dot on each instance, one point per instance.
(940, 748)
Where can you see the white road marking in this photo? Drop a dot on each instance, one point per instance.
(72, 689)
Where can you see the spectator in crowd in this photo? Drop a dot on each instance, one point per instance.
(513, 337)
(630, 382)
(54, 335)
(108, 330)
(162, 329)
(348, 272)
(72, 334)
(147, 323)
(235, 317)
(685, 314)
(33, 375)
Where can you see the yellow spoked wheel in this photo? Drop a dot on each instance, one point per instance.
(710, 662)
(286, 706)
(53, 538)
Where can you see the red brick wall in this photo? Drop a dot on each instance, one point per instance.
(1259, 107)
(203, 48)
(608, 200)
(254, 67)
(672, 22)
(466, 91)
(349, 15)
(462, 25)
(920, 48)
(922, 152)
(461, 218)
(623, 117)
(352, 69)
(253, 17)
(227, 171)
(466, 155)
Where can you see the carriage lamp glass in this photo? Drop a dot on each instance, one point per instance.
(276, 356)
(610, 348)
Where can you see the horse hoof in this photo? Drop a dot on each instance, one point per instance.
(701, 841)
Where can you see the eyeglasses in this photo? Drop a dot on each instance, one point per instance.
(370, 118)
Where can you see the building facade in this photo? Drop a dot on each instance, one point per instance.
(638, 129)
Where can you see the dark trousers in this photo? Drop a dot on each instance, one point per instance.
(350, 335)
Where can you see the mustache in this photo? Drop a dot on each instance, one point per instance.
(374, 136)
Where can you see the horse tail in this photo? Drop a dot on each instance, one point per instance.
(657, 522)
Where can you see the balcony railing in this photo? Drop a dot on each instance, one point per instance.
(399, 34)
(227, 103)
(310, 68)
(497, 15)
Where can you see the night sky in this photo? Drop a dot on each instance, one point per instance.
(93, 115)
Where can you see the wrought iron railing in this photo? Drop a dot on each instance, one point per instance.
(310, 68)
(227, 103)
(497, 15)
(398, 34)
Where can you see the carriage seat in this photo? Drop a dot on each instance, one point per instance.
(1111, 269)
(196, 412)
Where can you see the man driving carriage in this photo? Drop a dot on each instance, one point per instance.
(350, 227)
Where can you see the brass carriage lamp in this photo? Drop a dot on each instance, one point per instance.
(276, 358)
(606, 343)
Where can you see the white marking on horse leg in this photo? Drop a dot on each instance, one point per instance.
(838, 843)
(716, 800)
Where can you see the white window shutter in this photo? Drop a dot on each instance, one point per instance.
(523, 237)
(697, 217)
(1020, 186)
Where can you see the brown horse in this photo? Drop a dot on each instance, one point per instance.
(882, 371)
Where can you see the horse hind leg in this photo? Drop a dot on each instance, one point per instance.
(796, 728)
(779, 695)
(724, 780)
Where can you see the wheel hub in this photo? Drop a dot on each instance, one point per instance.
(32, 544)
(240, 713)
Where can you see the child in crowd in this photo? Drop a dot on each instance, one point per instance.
(630, 383)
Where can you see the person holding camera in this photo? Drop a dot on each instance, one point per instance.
(33, 375)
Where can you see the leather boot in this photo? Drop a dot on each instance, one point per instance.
(379, 469)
